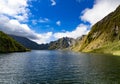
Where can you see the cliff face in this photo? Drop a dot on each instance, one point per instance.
(8, 44)
(61, 43)
(104, 36)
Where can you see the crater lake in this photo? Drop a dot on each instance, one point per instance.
(59, 67)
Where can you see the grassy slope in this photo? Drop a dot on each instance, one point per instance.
(104, 36)
(111, 48)
(8, 44)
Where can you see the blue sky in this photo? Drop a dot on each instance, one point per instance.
(66, 12)
(43, 21)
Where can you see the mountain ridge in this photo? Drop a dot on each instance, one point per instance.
(28, 43)
(61, 43)
(103, 35)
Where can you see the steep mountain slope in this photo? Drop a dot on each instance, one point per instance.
(104, 36)
(77, 44)
(28, 43)
(8, 44)
(62, 43)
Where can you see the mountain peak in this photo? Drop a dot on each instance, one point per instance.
(61, 43)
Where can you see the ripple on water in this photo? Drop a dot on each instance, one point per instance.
(59, 67)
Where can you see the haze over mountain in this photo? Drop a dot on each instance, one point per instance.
(29, 44)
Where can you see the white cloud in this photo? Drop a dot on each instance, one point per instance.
(43, 20)
(43, 38)
(53, 3)
(58, 23)
(14, 27)
(100, 9)
(79, 31)
(34, 22)
(14, 8)
(12, 14)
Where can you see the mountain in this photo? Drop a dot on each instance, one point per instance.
(77, 44)
(8, 44)
(104, 36)
(61, 43)
(29, 44)
(58, 44)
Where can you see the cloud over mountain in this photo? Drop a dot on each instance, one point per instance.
(12, 16)
(100, 9)
(15, 14)
(79, 31)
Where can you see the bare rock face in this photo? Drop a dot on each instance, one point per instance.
(61, 43)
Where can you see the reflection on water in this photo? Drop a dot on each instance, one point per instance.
(58, 67)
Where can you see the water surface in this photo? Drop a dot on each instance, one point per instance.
(59, 67)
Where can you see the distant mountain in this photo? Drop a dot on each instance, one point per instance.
(58, 44)
(104, 36)
(62, 43)
(29, 44)
(8, 44)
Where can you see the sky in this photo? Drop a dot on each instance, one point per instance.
(43, 21)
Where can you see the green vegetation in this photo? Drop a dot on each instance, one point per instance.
(104, 36)
(61, 43)
(111, 48)
(8, 44)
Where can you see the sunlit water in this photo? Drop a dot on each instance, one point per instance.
(59, 67)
